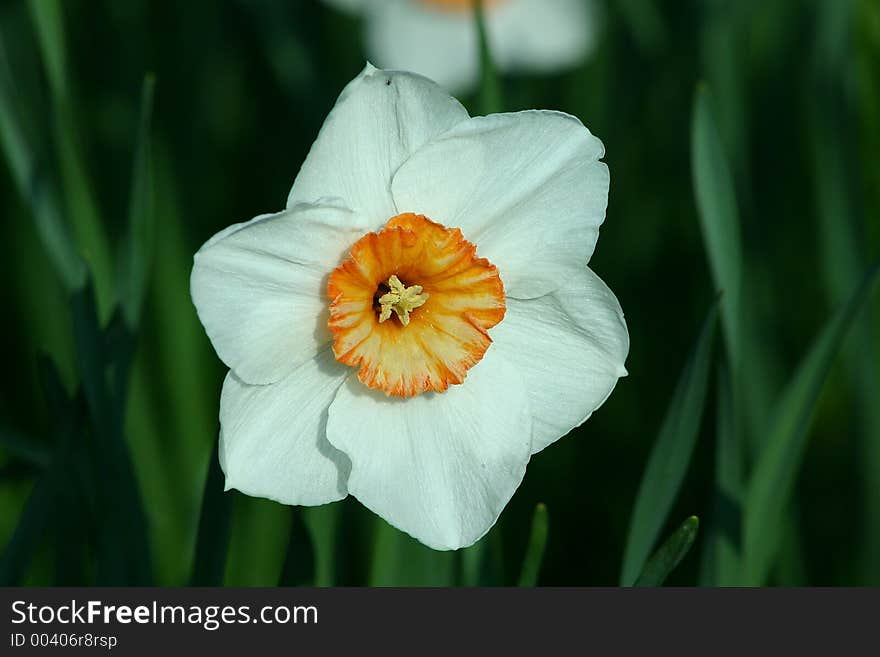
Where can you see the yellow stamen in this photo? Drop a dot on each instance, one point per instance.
(401, 299)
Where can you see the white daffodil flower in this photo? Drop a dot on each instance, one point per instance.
(420, 320)
(438, 38)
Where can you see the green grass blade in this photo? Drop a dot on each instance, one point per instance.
(257, 562)
(32, 525)
(49, 23)
(299, 565)
(867, 87)
(722, 546)
(323, 524)
(481, 564)
(123, 556)
(212, 544)
(748, 357)
(671, 454)
(721, 34)
(835, 184)
(772, 482)
(400, 560)
(531, 567)
(136, 254)
(29, 177)
(670, 554)
(80, 206)
(472, 563)
(490, 96)
(40, 510)
(719, 216)
(157, 414)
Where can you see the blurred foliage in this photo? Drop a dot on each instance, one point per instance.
(766, 187)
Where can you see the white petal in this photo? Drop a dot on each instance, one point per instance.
(439, 44)
(541, 35)
(380, 119)
(259, 287)
(570, 347)
(273, 438)
(440, 467)
(527, 188)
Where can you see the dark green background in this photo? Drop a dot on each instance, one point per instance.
(241, 90)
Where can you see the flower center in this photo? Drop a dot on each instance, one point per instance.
(401, 299)
(445, 299)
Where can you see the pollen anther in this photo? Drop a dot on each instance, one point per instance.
(401, 299)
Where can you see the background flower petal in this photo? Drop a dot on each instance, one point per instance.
(259, 287)
(527, 188)
(518, 33)
(441, 45)
(273, 438)
(379, 120)
(440, 467)
(569, 347)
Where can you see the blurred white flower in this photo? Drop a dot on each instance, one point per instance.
(438, 38)
(373, 352)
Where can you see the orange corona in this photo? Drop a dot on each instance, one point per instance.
(412, 305)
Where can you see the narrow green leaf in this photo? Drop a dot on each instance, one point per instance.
(720, 37)
(122, 543)
(32, 524)
(400, 560)
(165, 466)
(749, 359)
(136, 254)
(49, 23)
(29, 177)
(835, 140)
(722, 545)
(670, 554)
(90, 355)
(531, 567)
(257, 562)
(829, 134)
(719, 216)
(867, 99)
(472, 562)
(490, 98)
(671, 454)
(212, 544)
(299, 565)
(481, 563)
(323, 525)
(80, 206)
(37, 517)
(771, 485)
